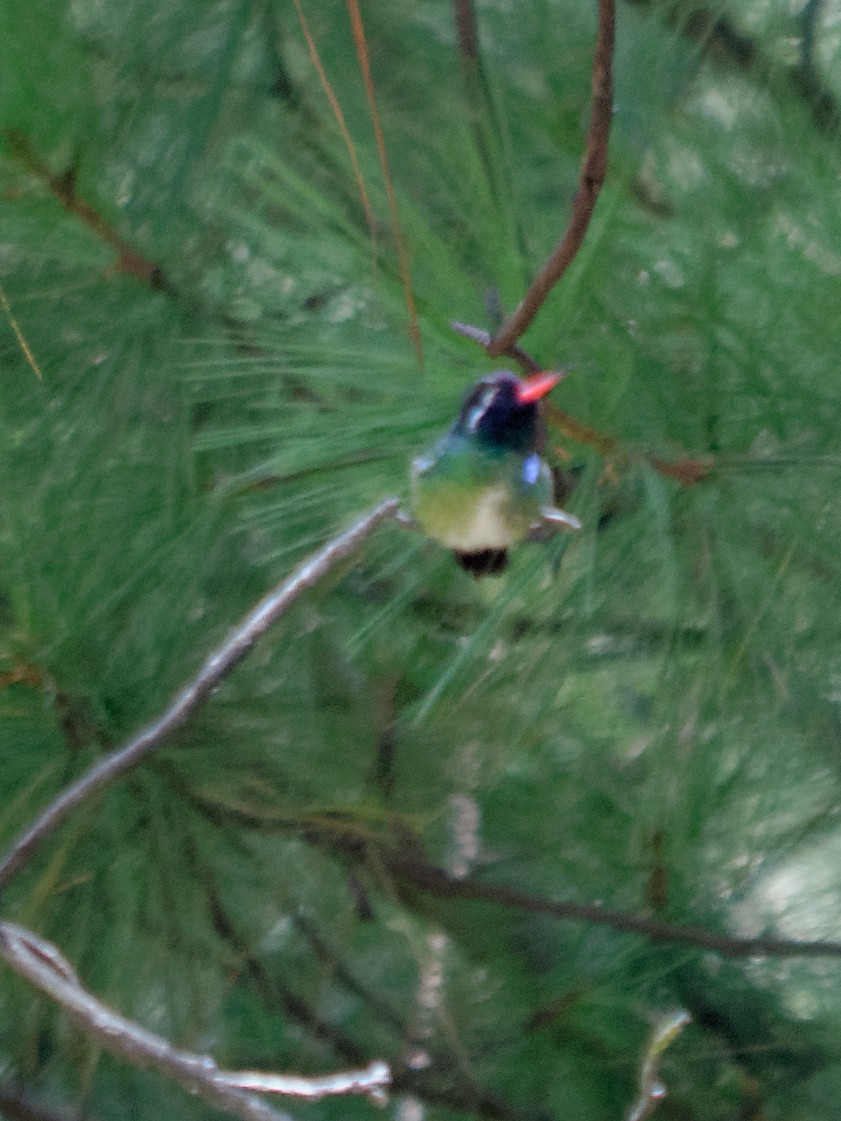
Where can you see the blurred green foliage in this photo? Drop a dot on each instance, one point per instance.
(645, 714)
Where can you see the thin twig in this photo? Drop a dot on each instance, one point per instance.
(685, 471)
(436, 881)
(466, 30)
(400, 855)
(336, 108)
(16, 1104)
(593, 171)
(526, 363)
(36, 959)
(216, 667)
(402, 256)
(651, 1089)
(63, 188)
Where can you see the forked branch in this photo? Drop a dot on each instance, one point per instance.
(43, 966)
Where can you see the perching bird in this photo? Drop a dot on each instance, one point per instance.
(484, 487)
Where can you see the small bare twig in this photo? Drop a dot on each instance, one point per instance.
(651, 1089)
(526, 363)
(593, 171)
(63, 188)
(43, 966)
(468, 35)
(216, 666)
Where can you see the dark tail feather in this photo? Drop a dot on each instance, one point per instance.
(485, 562)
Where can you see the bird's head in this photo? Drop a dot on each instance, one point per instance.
(502, 411)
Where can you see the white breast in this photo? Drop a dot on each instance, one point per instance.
(482, 525)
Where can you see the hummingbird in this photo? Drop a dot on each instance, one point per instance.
(484, 487)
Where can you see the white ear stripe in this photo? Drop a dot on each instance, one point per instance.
(480, 408)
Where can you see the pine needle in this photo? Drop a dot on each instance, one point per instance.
(402, 256)
(315, 58)
(22, 343)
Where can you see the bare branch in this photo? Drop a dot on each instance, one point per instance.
(16, 1104)
(466, 30)
(32, 958)
(400, 854)
(216, 667)
(526, 363)
(593, 171)
(410, 866)
(42, 965)
(63, 188)
(371, 1081)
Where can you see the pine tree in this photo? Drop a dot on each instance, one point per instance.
(218, 348)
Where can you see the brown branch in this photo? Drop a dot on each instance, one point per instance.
(408, 865)
(413, 868)
(685, 471)
(63, 189)
(602, 442)
(466, 30)
(390, 847)
(17, 1105)
(526, 363)
(394, 850)
(593, 170)
(330, 94)
(215, 668)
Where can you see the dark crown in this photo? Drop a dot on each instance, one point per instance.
(492, 412)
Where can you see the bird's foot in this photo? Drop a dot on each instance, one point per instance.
(551, 520)
(405, 519)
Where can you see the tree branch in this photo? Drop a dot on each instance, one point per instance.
(63, 188)
(686, 471)
(17, 1105)
(593, 171)
(526, 363)
(397, 852)
(411, 867)
(466, 30)
(216, 667)
(43, 966)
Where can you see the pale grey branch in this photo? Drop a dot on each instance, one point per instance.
(42, 964)
(219, 663)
